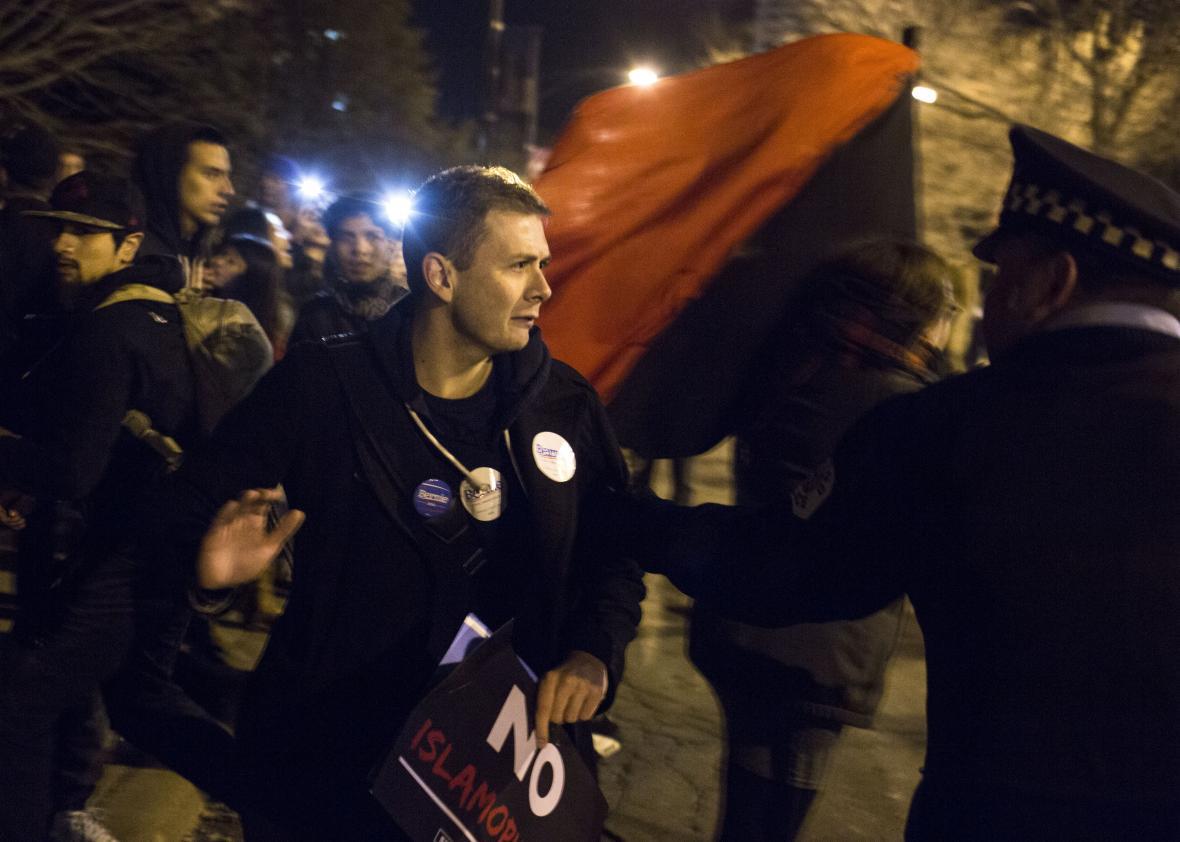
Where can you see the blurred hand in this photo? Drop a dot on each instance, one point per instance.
(570, 693)
(238, 547)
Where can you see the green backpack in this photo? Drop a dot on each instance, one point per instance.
(227, 346)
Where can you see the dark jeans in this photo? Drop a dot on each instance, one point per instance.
(155, 714)
(51, 669)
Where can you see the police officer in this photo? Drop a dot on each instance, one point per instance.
(1031, 510)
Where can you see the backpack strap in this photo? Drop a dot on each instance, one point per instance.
(448, 542)
(137, 292)
(136, 422)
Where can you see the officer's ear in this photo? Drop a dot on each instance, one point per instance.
(439, 273)
(1057, 281)
(129, 247)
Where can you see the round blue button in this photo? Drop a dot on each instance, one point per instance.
(432, 497)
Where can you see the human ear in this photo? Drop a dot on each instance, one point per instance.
(1056, 283)
(129, 247)
(438, 273)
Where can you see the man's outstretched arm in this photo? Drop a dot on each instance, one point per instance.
(847, 542)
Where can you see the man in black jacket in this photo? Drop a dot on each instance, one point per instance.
(1031, 510)
(442, 462)
(184, 172)
(72, 475)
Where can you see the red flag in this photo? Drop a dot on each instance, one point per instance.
(653, 188)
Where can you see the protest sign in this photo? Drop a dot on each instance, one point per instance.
(466, 767)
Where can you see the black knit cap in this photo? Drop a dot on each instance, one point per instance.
(1086, 201)
(100, 202)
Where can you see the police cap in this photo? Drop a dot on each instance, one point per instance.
(1089, 202)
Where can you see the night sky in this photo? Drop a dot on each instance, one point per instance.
(587, 44)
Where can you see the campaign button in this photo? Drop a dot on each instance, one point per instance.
(554, 457)
(484, 501)
(432, 497)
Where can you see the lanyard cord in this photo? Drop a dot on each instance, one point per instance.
(445, 453)
(450, 457)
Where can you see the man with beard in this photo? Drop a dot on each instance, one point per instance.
(72, 476)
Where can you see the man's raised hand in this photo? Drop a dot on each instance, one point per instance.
(238, 545)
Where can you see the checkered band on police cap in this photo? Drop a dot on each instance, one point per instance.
(1080, 218)
(1083, 199)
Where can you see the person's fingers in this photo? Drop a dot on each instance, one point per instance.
(287, 526)
(227, 512)
(590, 705)
(571, 695)
(545, 697)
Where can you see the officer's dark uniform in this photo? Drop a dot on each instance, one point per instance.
(1031, 510)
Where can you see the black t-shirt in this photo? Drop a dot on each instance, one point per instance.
(467, 428)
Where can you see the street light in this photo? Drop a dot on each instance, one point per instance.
(643, 76)
(925, 94)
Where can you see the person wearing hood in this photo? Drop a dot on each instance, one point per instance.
(72, 476)
(453, 485)
(184, 172)
(365, 270)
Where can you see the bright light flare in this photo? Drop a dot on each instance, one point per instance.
(643, 77)
(924, 94)
(399, 206)
(311, 188)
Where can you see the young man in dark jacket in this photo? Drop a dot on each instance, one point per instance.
(184, 172)
(1031, 510)
(364, 269)
(442, 461)
(72, 477)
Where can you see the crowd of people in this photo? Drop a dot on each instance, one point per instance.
(435, 461)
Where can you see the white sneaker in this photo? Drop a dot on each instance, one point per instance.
(79, 826)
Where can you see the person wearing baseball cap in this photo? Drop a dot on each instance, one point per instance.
(100, 224)
(72, 476)
(1029, 509)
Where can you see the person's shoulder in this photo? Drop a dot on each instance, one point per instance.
(567, 389)
(322, 350)
(565, 377)
(133, 317)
